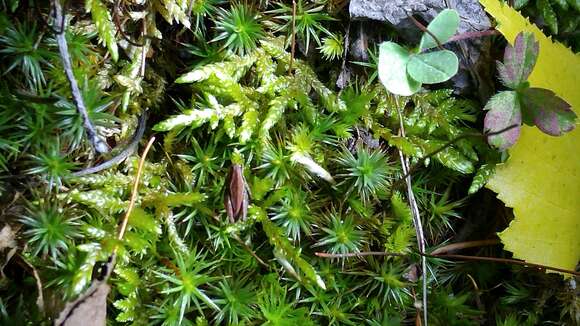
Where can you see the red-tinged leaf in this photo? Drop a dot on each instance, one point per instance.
(519, 60)
(549, 113)
(504, 111)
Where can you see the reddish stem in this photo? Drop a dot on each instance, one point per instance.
(463, 245)
(470, 35)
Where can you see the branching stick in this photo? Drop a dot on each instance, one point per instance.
(446, 145)
(128, 151)
(99, 145)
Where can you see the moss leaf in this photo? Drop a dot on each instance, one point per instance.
(105, 26)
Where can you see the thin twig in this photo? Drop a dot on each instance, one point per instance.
(135, 190)
(39, 287)
(506, 261)
(358, 254)
(416, 217)
(96, 142)
(293, 45)
(128, 151)
(414, 167)
(456, 257)
(144, 49)
(464, 245)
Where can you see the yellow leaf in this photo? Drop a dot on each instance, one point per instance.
(541, 179)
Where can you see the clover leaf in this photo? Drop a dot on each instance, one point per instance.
(433, 67)
(443, 26)
(402, 72)
(393, 60)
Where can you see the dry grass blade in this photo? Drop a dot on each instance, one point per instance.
(135, 190)
(91, 308)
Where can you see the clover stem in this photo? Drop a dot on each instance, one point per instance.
(471, 35)
(425, 30)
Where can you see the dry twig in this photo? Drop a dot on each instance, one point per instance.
(128, 151)
(99, 145)
(358, 254)
(453, 257)
(293, 46)
(463, 245)
(416, 217)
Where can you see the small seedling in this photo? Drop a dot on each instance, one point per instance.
(521, 103)
(402, 72)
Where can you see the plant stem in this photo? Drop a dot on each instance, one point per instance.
(416, 216)
(250, 251)
(454, 38)
(128, 151)
(358, 254)
(442, 148)
(99, 145)
(470, 35)
(455, 257)
(425, 30)
(506, 261)
(293, 45)
(464, 245)
(242, 243)
(477, 293)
